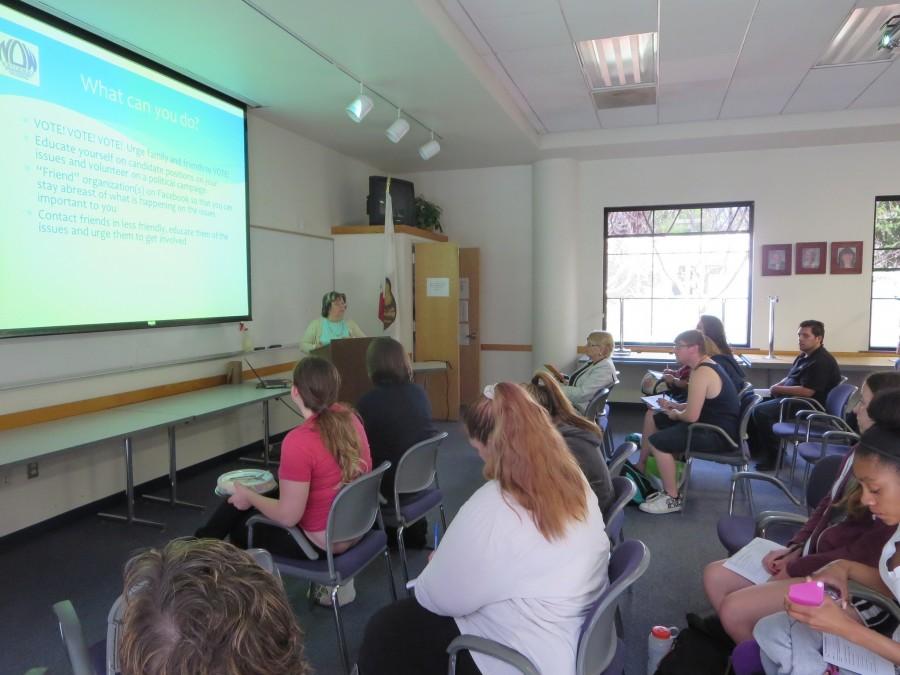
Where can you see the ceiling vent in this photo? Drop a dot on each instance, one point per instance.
(624, 97)
(858, 40)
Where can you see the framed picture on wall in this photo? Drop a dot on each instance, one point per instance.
(811, 257)
(846, 257)
(776, 260)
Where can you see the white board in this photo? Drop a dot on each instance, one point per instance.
(289, 274)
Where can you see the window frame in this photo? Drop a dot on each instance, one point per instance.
(878, 198)
(668, 207)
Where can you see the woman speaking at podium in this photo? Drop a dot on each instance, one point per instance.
(331, 325)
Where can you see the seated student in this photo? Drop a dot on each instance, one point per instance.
(712, 328)
(712, 399)
(583, 437)
(791, 641)
(599, 372)
(813, 374)
(318, 457)
(204, 607)
(520, 563)
(397, 415)
(840, 527)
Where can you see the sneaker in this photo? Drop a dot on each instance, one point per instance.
(345, 595)
(663, 504)
(653, 496)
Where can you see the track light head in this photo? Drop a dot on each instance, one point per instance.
(429, 149)
(398, 129)
(360, 106)
(890, 33)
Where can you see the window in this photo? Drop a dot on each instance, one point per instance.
(885, 322)
(665, 266)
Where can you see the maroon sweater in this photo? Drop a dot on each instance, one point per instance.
(858, 539)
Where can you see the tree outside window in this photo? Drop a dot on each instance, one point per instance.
(885, 322)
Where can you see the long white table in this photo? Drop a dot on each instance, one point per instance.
(40, 440)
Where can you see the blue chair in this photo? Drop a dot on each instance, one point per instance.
(738, 455)
(601, 649)
(833, 442)
(811, 420)
(352, 515)
(735, 532)
(614, 517)
(416, 491)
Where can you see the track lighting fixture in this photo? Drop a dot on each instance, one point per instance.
(430, 149)
(398, 129)
(360, 106)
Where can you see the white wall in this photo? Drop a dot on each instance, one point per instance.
(491, 209)
(295, 184)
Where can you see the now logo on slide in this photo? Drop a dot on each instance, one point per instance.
(20, 60)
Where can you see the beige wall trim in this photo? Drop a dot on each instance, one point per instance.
(61, 411)
(485, 347)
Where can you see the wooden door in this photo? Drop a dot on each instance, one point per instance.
(469, 326)
(437, 321)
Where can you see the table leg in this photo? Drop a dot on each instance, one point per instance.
(129, 493)
(266, 459)
(172, 499)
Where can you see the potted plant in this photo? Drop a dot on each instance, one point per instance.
(428, 215)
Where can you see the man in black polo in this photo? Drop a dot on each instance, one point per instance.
(813, 374)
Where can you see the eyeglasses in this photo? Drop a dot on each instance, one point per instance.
(678, 346)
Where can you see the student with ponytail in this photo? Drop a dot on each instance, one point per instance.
(318, 458)
(521, 562)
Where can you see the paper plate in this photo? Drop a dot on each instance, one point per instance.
(258, 480)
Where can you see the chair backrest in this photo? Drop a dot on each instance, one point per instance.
(264, 559)
(823, 475)
(595, 405)
(73, 638)
(354, 509)
(838, 398)
(597, 643)
(624, 491)
(620, 456)
(417, 468)
(748, 401)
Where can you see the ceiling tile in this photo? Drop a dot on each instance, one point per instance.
(543, 91)
(698, 48)
(571, 118)
(833, 88)
(642, 115)
(884, 91)
(523, 31)
(541, 61)
(591, 19)
(784, 41)
(483, 10)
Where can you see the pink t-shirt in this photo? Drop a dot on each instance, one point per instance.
(305, 459)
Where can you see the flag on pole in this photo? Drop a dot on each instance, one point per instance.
(387, 299)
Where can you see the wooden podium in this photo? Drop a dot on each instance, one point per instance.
(349, 357)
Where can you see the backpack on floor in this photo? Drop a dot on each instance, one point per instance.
(644, 485)
(695, 653)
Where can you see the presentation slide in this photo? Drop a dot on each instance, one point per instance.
(124, 191)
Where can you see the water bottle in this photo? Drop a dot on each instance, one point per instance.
(659, 643)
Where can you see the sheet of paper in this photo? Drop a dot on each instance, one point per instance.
(748, 561)
(765, 393)
(437, 287)
(850, 656)
(653, 401)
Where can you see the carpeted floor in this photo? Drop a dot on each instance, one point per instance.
(82, 561)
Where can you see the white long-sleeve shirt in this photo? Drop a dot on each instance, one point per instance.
(497, 575)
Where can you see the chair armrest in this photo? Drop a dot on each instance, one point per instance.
(711, 427)
(857, 590)
(768, 518)
(839, 422)
(840, 435)
(756, 475)
(73, 637)
(491, 648)
(808, 403)
(295, 533)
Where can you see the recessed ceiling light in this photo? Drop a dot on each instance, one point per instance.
(858, 39)
(624, 61)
